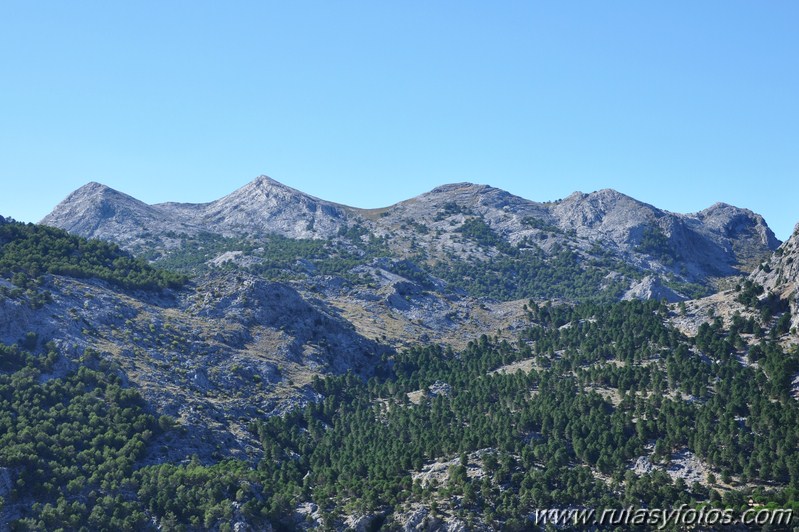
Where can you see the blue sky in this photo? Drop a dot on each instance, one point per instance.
(679, 104)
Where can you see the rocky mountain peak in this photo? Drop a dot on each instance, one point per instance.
(605, 213)
(606, 198)
(605, 195)
(266, 186)
(609, 194)
(94, 190)
(267, 206)
(459, 187)
(95, 209)
(718, 206)
(469, 195)
(735, 221)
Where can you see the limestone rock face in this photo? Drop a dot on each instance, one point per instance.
(98, 211)
(712, 242)
(605, 214)
(266, 206)
(781, 270)
(651, 288)
(780, 273)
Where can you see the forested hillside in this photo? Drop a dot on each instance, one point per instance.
(28, 251)
(559, 417)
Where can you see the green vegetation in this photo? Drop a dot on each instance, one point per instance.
(547, 431)
(605, 385)
(70, 442)
(538, 223)
(449, 209)
(276, 257)
(530, 273)
(28, 251)
(477, 230)
(654, 242)
(689, 290)
(749, 294)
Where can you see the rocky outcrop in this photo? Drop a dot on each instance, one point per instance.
(781, 270)
(318, 337)
(605, 215)
(652, 288)
(719, 241)
(780, 274)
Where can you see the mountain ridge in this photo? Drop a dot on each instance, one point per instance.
(264, 181)
(452, 222)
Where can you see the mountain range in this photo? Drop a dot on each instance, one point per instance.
(268, 323)
(450, 223)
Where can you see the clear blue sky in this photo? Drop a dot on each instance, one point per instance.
(680, 104)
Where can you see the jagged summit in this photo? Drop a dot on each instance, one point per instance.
(604, 193)
(606, 214)
(741, 230)
(262, 188)
(468, 195)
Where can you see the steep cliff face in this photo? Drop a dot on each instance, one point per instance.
(780, 273)
(781, 270)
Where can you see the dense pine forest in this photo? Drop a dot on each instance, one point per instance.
(28, 251)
